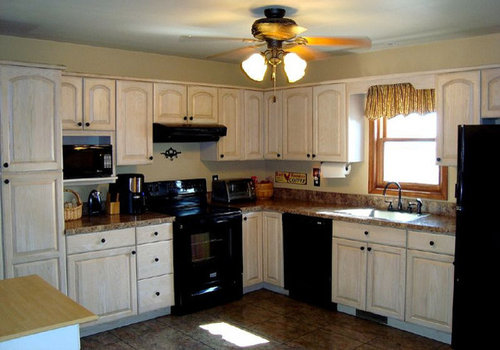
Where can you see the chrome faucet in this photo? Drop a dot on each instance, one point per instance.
(400, 204)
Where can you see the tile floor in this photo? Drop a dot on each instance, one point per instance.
(285, 324)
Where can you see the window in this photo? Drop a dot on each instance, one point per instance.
(403, 149)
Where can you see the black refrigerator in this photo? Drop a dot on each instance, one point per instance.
(476, 317)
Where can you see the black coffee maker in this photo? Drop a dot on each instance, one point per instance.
(131, 190)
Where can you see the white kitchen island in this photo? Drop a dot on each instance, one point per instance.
(36, 316)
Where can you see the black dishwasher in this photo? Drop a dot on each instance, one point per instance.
(307, 246)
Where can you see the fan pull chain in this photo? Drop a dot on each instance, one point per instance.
(273, 77)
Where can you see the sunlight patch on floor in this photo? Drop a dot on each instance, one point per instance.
(234, 335)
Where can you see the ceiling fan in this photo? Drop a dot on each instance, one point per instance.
(281, 38)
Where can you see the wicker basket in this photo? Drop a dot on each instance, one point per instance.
(264, 190)
(73, 213)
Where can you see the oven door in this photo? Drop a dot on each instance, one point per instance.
(207, 261)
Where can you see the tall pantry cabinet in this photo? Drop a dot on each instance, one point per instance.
(31, 194)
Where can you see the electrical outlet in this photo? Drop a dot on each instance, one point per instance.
(215, 177)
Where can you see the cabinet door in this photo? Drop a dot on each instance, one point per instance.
(429, 289)
(30, 122)
(71, 103)
(297, 124)
(254, 122)
(273, 119)
(155, 293)
(252, 248)
(99, 104)
(229, 147)
(349, 273)
(457, 102)
(104, 282)
(202, 105)
(329, 123)
(170, 103)
(385, 292)
(272, 237)
(33, 224)
(134, 134)
(490, 93)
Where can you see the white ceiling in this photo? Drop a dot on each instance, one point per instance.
(158, 25)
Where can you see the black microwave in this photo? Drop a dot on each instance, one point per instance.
(87, 161)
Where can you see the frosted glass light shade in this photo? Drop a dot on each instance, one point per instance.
(294, 67)
(255, 66)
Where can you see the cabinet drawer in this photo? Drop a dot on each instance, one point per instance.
(86, 242)
(154, 259)
(155, 293)
(154, 233)
(370, 233)
(431, 242)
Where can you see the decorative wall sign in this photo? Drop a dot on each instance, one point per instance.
(290, 177)
(171, 153)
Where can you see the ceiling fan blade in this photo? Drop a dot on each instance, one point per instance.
(236, 53)
(307, 53)
(279, 31)
(221, 38)
(339, 41)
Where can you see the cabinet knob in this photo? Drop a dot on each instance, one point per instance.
(133, 252)
(185, 118)
(245, 218)
(191, 118)
(222, 156)
(438, 159)
(278, 155)
(156, 233)
(5, 165)
(314, 156)
(366, 233)
(369, 249)
(6, 181)
(79, 124)
(308, 155)
(157, 294)
(103, 240)
(151, 158)
(431, 243)
(362, 248)
(87, 124)
(156, 259)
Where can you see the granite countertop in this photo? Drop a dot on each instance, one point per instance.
(430, 223)
(87, 224)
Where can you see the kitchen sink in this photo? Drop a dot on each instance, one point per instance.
(382, 214)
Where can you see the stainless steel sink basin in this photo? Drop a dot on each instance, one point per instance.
(382, 214)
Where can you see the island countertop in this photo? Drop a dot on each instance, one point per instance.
(29, 305)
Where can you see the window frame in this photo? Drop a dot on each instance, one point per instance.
(376, 183)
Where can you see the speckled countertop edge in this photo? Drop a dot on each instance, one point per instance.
(431, 223)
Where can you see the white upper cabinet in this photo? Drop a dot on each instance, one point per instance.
(134, 123)
(490, 93)
(202, 105)
(329, 123)
(297, 124)
(170, 103)
(29, 119)
(229, 147)
(253, 125)
(457, 96)
(273, 125)
(88, 103)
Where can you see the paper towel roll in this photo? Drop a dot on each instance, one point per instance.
(332, 170)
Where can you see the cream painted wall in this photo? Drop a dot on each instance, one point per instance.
(107, 61)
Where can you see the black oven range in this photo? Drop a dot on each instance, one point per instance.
(207, 240)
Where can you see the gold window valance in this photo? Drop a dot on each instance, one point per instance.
(388, 101)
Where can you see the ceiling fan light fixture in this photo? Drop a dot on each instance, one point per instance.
(295, 67)
(255, 66)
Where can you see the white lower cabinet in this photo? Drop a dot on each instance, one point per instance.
(368, 273)
(116, 276)
(430, 275)
(262, 248)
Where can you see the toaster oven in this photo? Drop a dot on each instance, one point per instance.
(233, 190)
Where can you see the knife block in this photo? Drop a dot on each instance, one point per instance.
(112, 208)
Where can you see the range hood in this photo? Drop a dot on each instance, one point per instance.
(188, 132)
